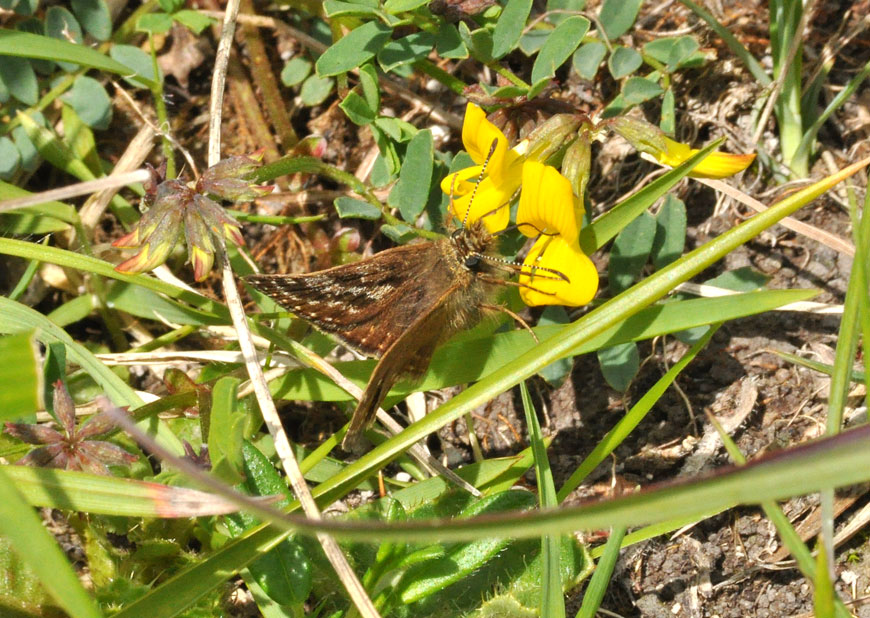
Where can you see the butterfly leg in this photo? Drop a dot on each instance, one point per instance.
(515, 316)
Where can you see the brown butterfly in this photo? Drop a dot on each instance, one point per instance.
(398, 305)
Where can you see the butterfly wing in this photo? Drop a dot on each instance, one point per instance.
(409, 354)
(369, 304)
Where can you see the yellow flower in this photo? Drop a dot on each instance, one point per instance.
(502, 177)
(544, 287)
(715, 165)
(547, 203)
(556, 271)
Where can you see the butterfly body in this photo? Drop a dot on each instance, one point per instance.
(397, 305)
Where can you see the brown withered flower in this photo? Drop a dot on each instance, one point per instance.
(177, 207)
(73, 448)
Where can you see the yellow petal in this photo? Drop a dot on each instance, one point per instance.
(489, 203)
(716, 165)
(547, 288)
(478, 134)
(547, 203)
(458, 181)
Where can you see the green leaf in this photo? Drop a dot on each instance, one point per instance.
(617, 16)
(631, 251)
(406, 50)
(533, 40)
(226, 424)
(588, 58)
(639, 89)
(681, 51)
(619, 365)
(668, 119)
(20, 374)
(350, 208)
(371, 90)
(399, 6)
(462, 559)
(740, 280)
(315, 90)
(295, 71)
(415, 178)
(90, 101)
(30, 159)
(449, 44)
(399, 233)
(560, 10)
(195, 21)
(62, 25)
(478, 42)
(509, 27)
(139, 63)
(559, 46)
(357, 47)
(19, 78)
(10, 158)
(357, 109)
(555, 373)
(284, 572)
(623, 61)
(396, 128)
(351, 8)
(94, 16)
(155, 23)
(670, 238)
(21, 525)
(28, 45)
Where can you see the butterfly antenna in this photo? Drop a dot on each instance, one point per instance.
(516, 226)
(479, 179)
(513, 265)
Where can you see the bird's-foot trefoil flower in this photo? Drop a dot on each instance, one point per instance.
(501, 168)
(649, 139)
(176, 207)
(556, 271)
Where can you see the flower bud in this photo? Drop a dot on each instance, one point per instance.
(645, 137)
(551, 136)
(577, 162)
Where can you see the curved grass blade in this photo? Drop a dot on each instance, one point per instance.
(34, 544)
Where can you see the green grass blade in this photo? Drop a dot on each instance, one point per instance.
(70, 259)
(485, 354)
(608, 225)
(626, 425)
(108, 495)
(601, 577)
(552, 603)
(21, 526)
(27, 45)
(809, 136)
(20, 375)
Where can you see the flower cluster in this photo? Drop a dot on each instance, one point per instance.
(176, 207)
(555, 271)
